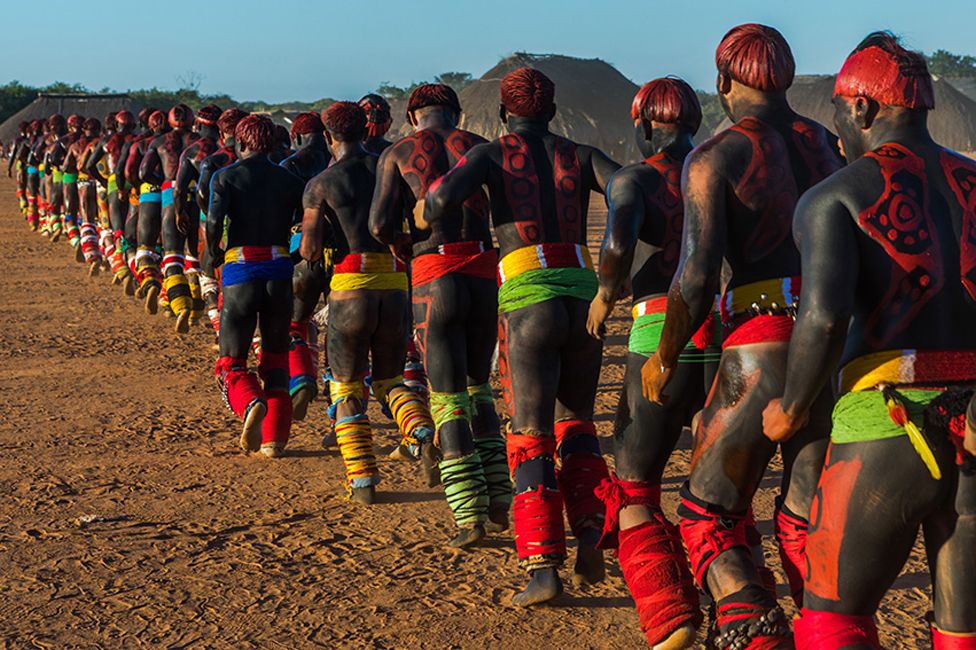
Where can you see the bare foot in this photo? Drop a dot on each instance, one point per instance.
(365, 496)
(589, 568)
(152, 300)
(183, 323)
(94, 269)
(430, 457)
(79, 254)
(544, 585)
(273, 450)
(130, 285)
(251, 432)
(402, 453)
(683, 637)
(497, 519)
(468, 536)
(299, 403)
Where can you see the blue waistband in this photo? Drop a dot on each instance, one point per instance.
(149, 197)
(167, 196)
(238, 272)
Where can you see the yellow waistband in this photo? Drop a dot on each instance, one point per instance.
(378, 281)
(774, 294)
(355, 263)
(531, 258)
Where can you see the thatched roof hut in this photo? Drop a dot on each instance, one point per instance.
(592, 102)
(952, 123)
(47, 104)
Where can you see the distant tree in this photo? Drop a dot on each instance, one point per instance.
(456, 80)
(712, 113)
(13, 97)
(947, 64)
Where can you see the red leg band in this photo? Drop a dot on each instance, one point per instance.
(241, 387)
(271, 361)
(522, 447)
(538, 516)
(953, 640)
(828, 631)
(301, 362)
(580, 472)
(654, 566)
(791, 535)
(616, 495)
(708, 532)
(277, 422)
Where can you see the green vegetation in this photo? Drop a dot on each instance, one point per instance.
(947, 64)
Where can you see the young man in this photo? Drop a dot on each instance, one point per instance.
(148, 217)
(642, 244)
(455, 305)
(110, 152)
(539, 185)
(740, 188)
(378, 121)
(889, 289)
(257, 199)
(368, 315)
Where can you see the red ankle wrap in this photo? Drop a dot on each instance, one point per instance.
(270, 361)
(816, 630)
(277, 422)
(791, 535)
(707, 532)
(616, 495)
(656, 571)
(241, 387)
(538, 519)
(521, 447)
(953, 640)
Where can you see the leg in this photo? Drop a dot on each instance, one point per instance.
(441, 309)
(530, 340)
(854, 554)
(88, 199)
(147, 259)
(309, 282)
(651, 556)
(242, 391)
(192, 265)
(275, 315)
(353, 317)
(174, 279)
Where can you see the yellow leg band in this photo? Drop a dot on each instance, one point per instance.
(356, 446)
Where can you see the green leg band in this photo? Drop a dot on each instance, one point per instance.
(495, 464)
(445, 407)
(464, 486)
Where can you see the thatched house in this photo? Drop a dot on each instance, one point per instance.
(46, 104)
(952, 123)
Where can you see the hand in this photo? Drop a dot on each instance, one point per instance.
(596, 320)
(402, 248)
(182, 223)
(418, 214)
(654, 379)
(778, 425)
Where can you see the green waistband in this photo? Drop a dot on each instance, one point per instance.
(57, 176)
(68, 177)
(539, 285)
(645, 337)
(863, 416)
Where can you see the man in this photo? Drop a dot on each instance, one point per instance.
(110, 152)
(145, 264)
(159, 167)
(130, 193)
(378, 121)
(455, 307)
(64, 161)
(106, 239)
(739, 189)
(368, 317)
(257, 198)
(889, 267)
(311, 278)
(642, 244)
(31, 160)
(18, 154)
(61, 133)
(86, 198)
(539, 185)
(186, 211)
(225, 155)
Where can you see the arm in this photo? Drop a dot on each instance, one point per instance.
(603, 168)
(384, 212)
(132, 162)
(453, 188)
(184, 176)
(824, 234)
(692, 294)
(313, 205)
(219, 208)
(92, 167)
(625, 217)
(203, 184)
(149, 168)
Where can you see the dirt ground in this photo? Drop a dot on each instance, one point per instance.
(108, 413)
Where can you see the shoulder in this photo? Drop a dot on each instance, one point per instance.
(473, 138)
(714, 155)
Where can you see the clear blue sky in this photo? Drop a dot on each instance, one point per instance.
(295, 49)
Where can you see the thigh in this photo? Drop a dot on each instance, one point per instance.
(132, 225)
(581, 356)
(388, 344)
(646, 433)
(150, 223)
(309, 281)
(173, 239)
(439, 314)
(534, 337)
(864, 520)
(803, 456)
(193, 232)
(481, 327)
(730, 452)
(238, 318)
(950, 539)
(275, 316)
(352, 321)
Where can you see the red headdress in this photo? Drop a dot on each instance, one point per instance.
(144, 115)
(433, 95)
(526, 92)
(305, 123)
(180, 116)
(378, 115)
(75, 121)
(756, 56)
(92, 124)
(669, 100)
(229, 119)
(882, 70)
(156, 120)
(256, 133)
(346, 120)
(208, 114)
(122, 118)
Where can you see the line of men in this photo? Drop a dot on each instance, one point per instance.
(759, 263)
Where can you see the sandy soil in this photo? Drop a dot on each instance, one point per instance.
(108, 413)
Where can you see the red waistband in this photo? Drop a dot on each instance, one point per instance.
(168, 185)
(466, 258)
(369, 263)
(759, 329)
